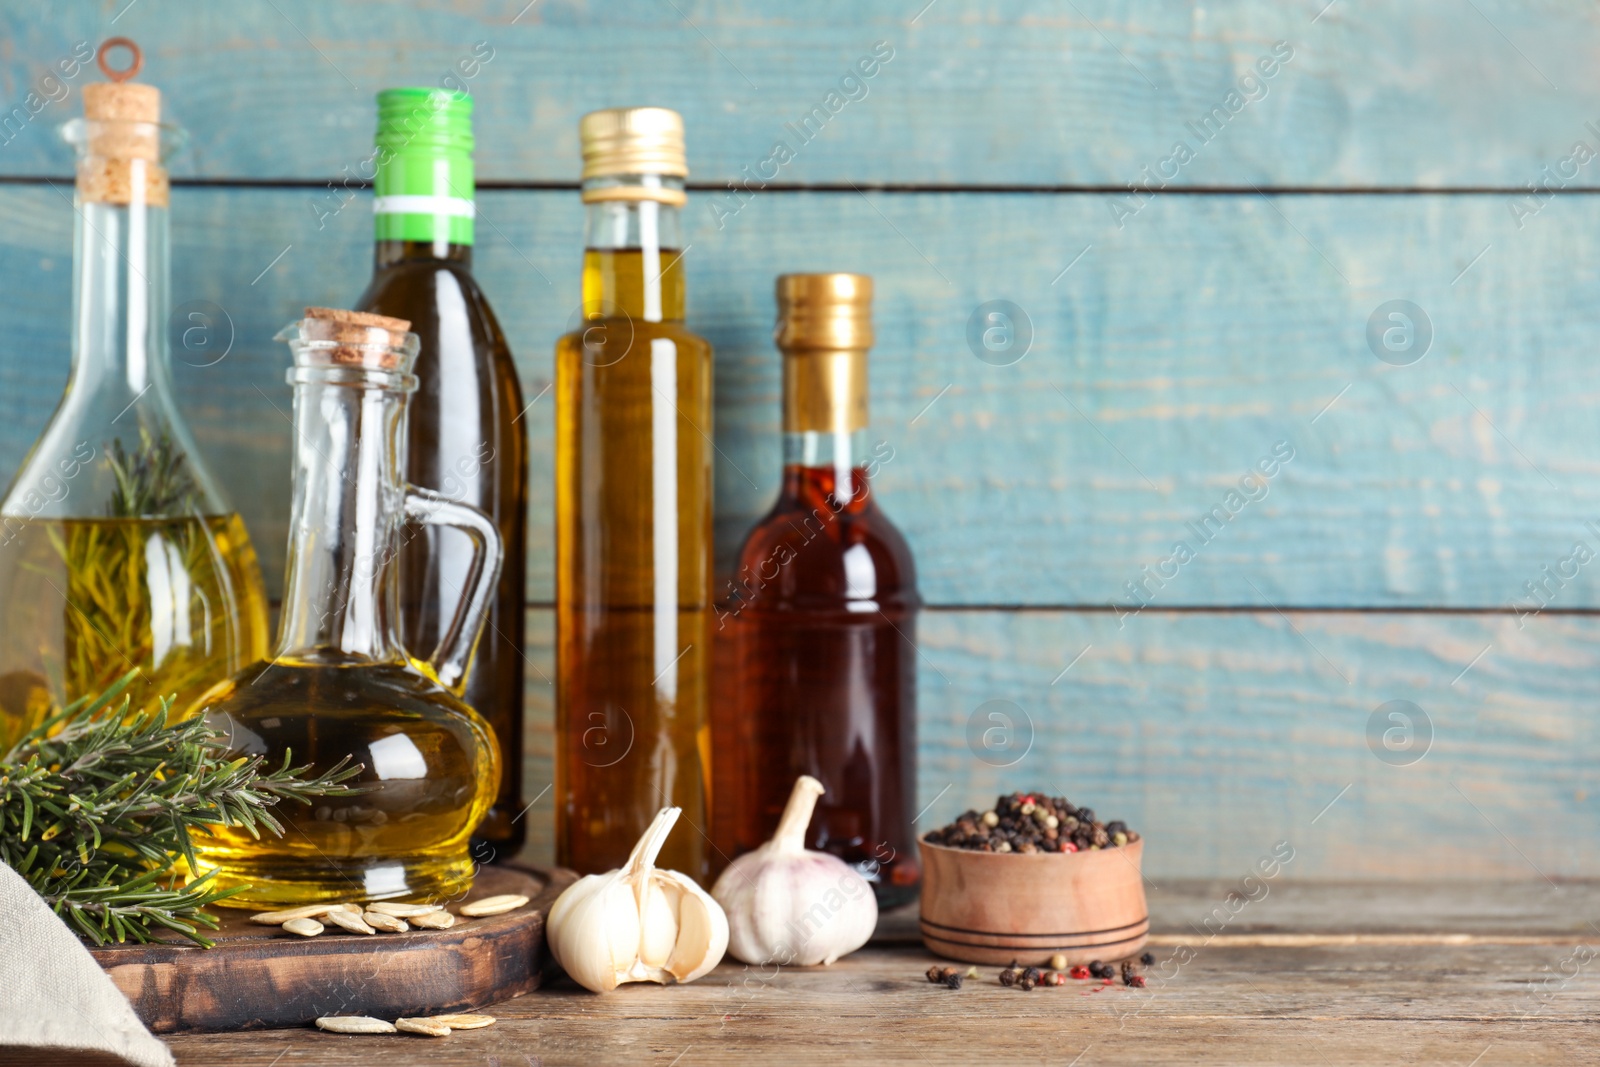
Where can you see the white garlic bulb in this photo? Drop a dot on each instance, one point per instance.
(789, 905)
(637, 923)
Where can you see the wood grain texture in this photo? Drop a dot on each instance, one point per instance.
(1361, 1003)
(1165, 364)
(1394, 93)
(1219, 735)
(259, 978)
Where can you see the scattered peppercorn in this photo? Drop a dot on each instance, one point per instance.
(1010, 975)
(1027, 982)
(1058, 961)
(1027, 823)
(1137, 981)
(935, 973)
(1148, 959)
(1080, 971)
(1031, 972)
(1099, 970)
(953, 979)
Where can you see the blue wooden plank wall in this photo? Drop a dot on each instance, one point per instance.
(1293, 168)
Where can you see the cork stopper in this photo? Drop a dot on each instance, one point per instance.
(359, 338)
(121, 160)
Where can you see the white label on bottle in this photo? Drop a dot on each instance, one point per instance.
(424, 205)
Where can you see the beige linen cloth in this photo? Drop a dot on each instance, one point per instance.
(56, 1005)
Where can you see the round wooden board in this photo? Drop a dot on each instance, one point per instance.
(258, 977)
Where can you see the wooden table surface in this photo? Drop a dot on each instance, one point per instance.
(1464, 974)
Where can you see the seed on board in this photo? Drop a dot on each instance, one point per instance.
(404, 911)
(465, 1022)
(351, 921)
(278, 918)
(1148, 958)
(1058, 962)
(430, 1027)
(493, 905)
(387, 923)
(354, 1024)
(433, 920)
(303, 927)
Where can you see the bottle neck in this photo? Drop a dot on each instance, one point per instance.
(820, 464)
(633, 260)
(340, 589)
(395, 253)
(120, 299)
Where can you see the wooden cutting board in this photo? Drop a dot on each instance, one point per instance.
(258, 977)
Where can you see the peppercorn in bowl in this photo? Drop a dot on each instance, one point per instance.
(1031, 878)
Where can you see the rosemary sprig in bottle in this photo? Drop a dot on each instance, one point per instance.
(98, 804)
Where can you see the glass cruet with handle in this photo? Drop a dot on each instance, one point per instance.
(340, 683)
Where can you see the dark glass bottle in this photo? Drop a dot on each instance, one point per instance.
(467, 439)
(821, 616)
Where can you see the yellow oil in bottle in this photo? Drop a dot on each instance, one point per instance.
(633, 552)
(84, 601)
(432, 755)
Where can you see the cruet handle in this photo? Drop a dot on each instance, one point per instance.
(449, 661)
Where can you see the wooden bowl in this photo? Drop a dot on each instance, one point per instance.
(989, 907)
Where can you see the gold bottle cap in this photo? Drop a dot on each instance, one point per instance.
(824, 329)
(633, 141)
(824, 311)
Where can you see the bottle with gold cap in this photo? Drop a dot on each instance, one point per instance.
(118, 550)
(467, 437)
(821, 615)
(633, 511)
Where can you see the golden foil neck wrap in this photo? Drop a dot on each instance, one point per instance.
(632, 140)
(824, 330)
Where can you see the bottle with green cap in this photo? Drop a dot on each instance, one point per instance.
(467, 439)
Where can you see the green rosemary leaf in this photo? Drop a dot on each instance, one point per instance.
(98, 804)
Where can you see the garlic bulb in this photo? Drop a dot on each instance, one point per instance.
(789, 905)
(637, 923)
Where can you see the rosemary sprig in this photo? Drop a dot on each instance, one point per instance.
(98, 803)
(153, 480)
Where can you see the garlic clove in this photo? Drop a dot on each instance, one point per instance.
(702, 934)
(659, 927)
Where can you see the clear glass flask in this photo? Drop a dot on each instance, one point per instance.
(340, 683)
(118, 551)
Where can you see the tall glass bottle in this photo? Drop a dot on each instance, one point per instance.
(118, 550)
(822, 615)
(468, 439)
(633, 512)
(341, 682)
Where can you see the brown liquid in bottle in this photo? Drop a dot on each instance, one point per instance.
(468, 442)
(826, 680)
(633, 565)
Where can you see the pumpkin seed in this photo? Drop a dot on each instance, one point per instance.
(354, 1024)
(493, 905)
(431, 1027)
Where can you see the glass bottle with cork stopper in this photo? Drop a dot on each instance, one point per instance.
(118, 550)
(633, 511)
(341, 685)
(821, 615)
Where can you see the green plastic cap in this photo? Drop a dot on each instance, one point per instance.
(425, 119)
(424, 181)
